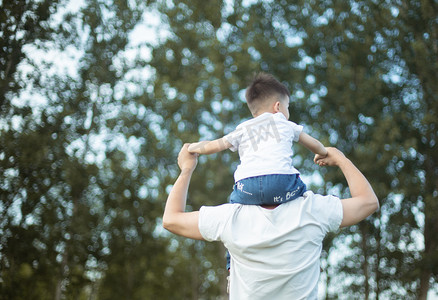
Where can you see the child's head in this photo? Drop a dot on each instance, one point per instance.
(267, 94)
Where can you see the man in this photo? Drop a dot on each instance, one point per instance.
(275, 250)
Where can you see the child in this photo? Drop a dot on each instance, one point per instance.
(266, 175)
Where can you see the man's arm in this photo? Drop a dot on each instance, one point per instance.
(209, 147)
(363, 201)
(312, 144)
(175, 219)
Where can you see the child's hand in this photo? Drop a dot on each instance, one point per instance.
(192, 147)
(318, 159)
(333, 157)
(197, 147)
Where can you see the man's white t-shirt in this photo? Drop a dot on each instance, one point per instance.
(275, 254)
(265, 145)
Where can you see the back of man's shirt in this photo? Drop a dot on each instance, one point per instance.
(275, 254)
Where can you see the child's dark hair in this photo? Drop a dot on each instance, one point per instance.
(264, 88)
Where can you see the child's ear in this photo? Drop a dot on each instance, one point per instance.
(277, 106)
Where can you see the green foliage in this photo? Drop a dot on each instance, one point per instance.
(88, 157)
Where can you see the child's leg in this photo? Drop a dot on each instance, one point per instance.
(268, 189)
(247, 191)
(281, 188)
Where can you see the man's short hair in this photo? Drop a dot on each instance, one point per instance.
(264, 89)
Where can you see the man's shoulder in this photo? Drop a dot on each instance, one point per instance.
(326, 208)
(219, 211)
(311, 195)
(214, 219)
(221, 207)
(318, 199)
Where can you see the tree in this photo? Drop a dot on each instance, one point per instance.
(339, 59)
(359, 66)
(85, 169)
(56, 230)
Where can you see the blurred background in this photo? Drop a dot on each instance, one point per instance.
(98, 96)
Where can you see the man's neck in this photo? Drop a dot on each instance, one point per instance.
(269, 206)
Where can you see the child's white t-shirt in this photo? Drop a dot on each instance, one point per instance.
(264, 144)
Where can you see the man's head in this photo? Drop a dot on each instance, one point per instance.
(267, 94)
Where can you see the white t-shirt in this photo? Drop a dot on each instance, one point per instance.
(275, 254)
(265, 145)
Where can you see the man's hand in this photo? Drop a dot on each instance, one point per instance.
(363, 201)
(186, 160)
(333, 157)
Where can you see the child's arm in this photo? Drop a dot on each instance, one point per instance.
(312, 144)
(209, 147)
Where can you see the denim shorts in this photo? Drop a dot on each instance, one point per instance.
(270, 189)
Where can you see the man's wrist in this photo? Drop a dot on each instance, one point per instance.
(343, 162)
(186, 171)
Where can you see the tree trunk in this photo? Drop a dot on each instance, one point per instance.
(430, 229)
(424, 285)
(430, 245)
(195, 275)
(59, 282)
(327, 284)
(378, 249)
(365, 267)
(223, 281)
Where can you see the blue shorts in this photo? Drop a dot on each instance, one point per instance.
(270, 189)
